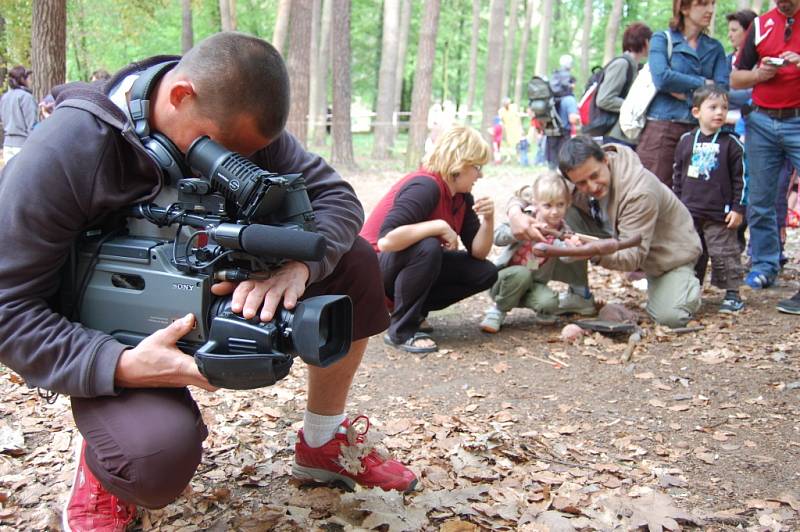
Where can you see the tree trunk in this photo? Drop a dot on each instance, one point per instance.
(187, 33)
(612, 30)
(543, 50)
(743, 4)
(508, 51)
(423, 83)
(232, 12)
(324, 63)
(313, 82)
(342, 149)
(494, 65)
(473, 57)
(402, 49)
(48, 45)
(385, 105)
(225, 15)
(298, 67)
(281, 25)
(522, 57)
(756, 6)
(586, 38)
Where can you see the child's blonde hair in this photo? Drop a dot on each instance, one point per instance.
(550, 188)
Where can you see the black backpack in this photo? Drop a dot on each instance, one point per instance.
(600, 120)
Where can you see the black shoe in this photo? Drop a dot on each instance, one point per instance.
(791, 305)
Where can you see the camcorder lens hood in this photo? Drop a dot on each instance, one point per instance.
(243, 354)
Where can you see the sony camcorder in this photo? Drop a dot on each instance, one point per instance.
(234, 222)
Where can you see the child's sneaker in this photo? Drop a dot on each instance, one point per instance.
(757, 280)
(493, 320)
(90, 506)
(731, 306)
(349, 458)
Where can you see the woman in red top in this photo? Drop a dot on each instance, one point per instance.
(415, 229)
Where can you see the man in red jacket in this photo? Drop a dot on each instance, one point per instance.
(769, 62)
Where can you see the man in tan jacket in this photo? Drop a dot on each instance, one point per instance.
(615, 196)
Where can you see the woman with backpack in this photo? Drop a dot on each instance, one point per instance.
(682, 59)
(18, 111)
(618, 76)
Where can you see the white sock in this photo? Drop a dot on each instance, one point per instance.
(319, 430)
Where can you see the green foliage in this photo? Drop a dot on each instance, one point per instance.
(111, 33)
(16, 43)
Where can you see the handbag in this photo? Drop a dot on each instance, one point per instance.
(633, 113)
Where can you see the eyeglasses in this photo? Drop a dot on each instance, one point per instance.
(787, 34)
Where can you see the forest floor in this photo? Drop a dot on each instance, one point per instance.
(696, 430)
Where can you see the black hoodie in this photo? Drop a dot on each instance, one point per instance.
(723, 189)
(81, 165)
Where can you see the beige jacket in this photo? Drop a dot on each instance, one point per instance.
(639, 204)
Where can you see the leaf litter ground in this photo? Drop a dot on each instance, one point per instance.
(515, 431)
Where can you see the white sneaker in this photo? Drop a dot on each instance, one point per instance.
(493, 320)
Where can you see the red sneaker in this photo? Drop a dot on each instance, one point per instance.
(90, 507)
(350, 458)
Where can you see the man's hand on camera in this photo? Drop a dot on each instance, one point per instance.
(287, 283)
(157, 363)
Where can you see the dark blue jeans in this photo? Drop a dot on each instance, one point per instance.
(769, 142)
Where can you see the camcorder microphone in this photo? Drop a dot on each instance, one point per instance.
(242, 222)
(270, 241)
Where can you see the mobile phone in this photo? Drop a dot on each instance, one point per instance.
(775, 61)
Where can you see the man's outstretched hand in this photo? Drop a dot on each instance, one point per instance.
(157, 363)
(604, 246)
(287, 283)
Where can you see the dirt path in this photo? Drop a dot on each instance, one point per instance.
(697, 429)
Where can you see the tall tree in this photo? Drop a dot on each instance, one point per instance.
(298, 67)
(385, 104)
(522, 57)
(227, 15)
(473, 55)
(281, 25)
(612, 30)
(342, 148)
(743, 4)
(508, 50)
(494, 64)
(187, 32)
(313, 82)
(322, 76)
(586, 38)
(756, 5)
(48, 45)
(543, 49)
(402, 49)
(423, 83)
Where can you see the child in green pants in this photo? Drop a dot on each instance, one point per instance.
(522, 277)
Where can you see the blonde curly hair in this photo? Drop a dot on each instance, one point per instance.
(455, 149)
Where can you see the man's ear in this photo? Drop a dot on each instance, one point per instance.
(179, 91)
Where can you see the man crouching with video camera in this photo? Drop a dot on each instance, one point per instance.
(142, 431)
